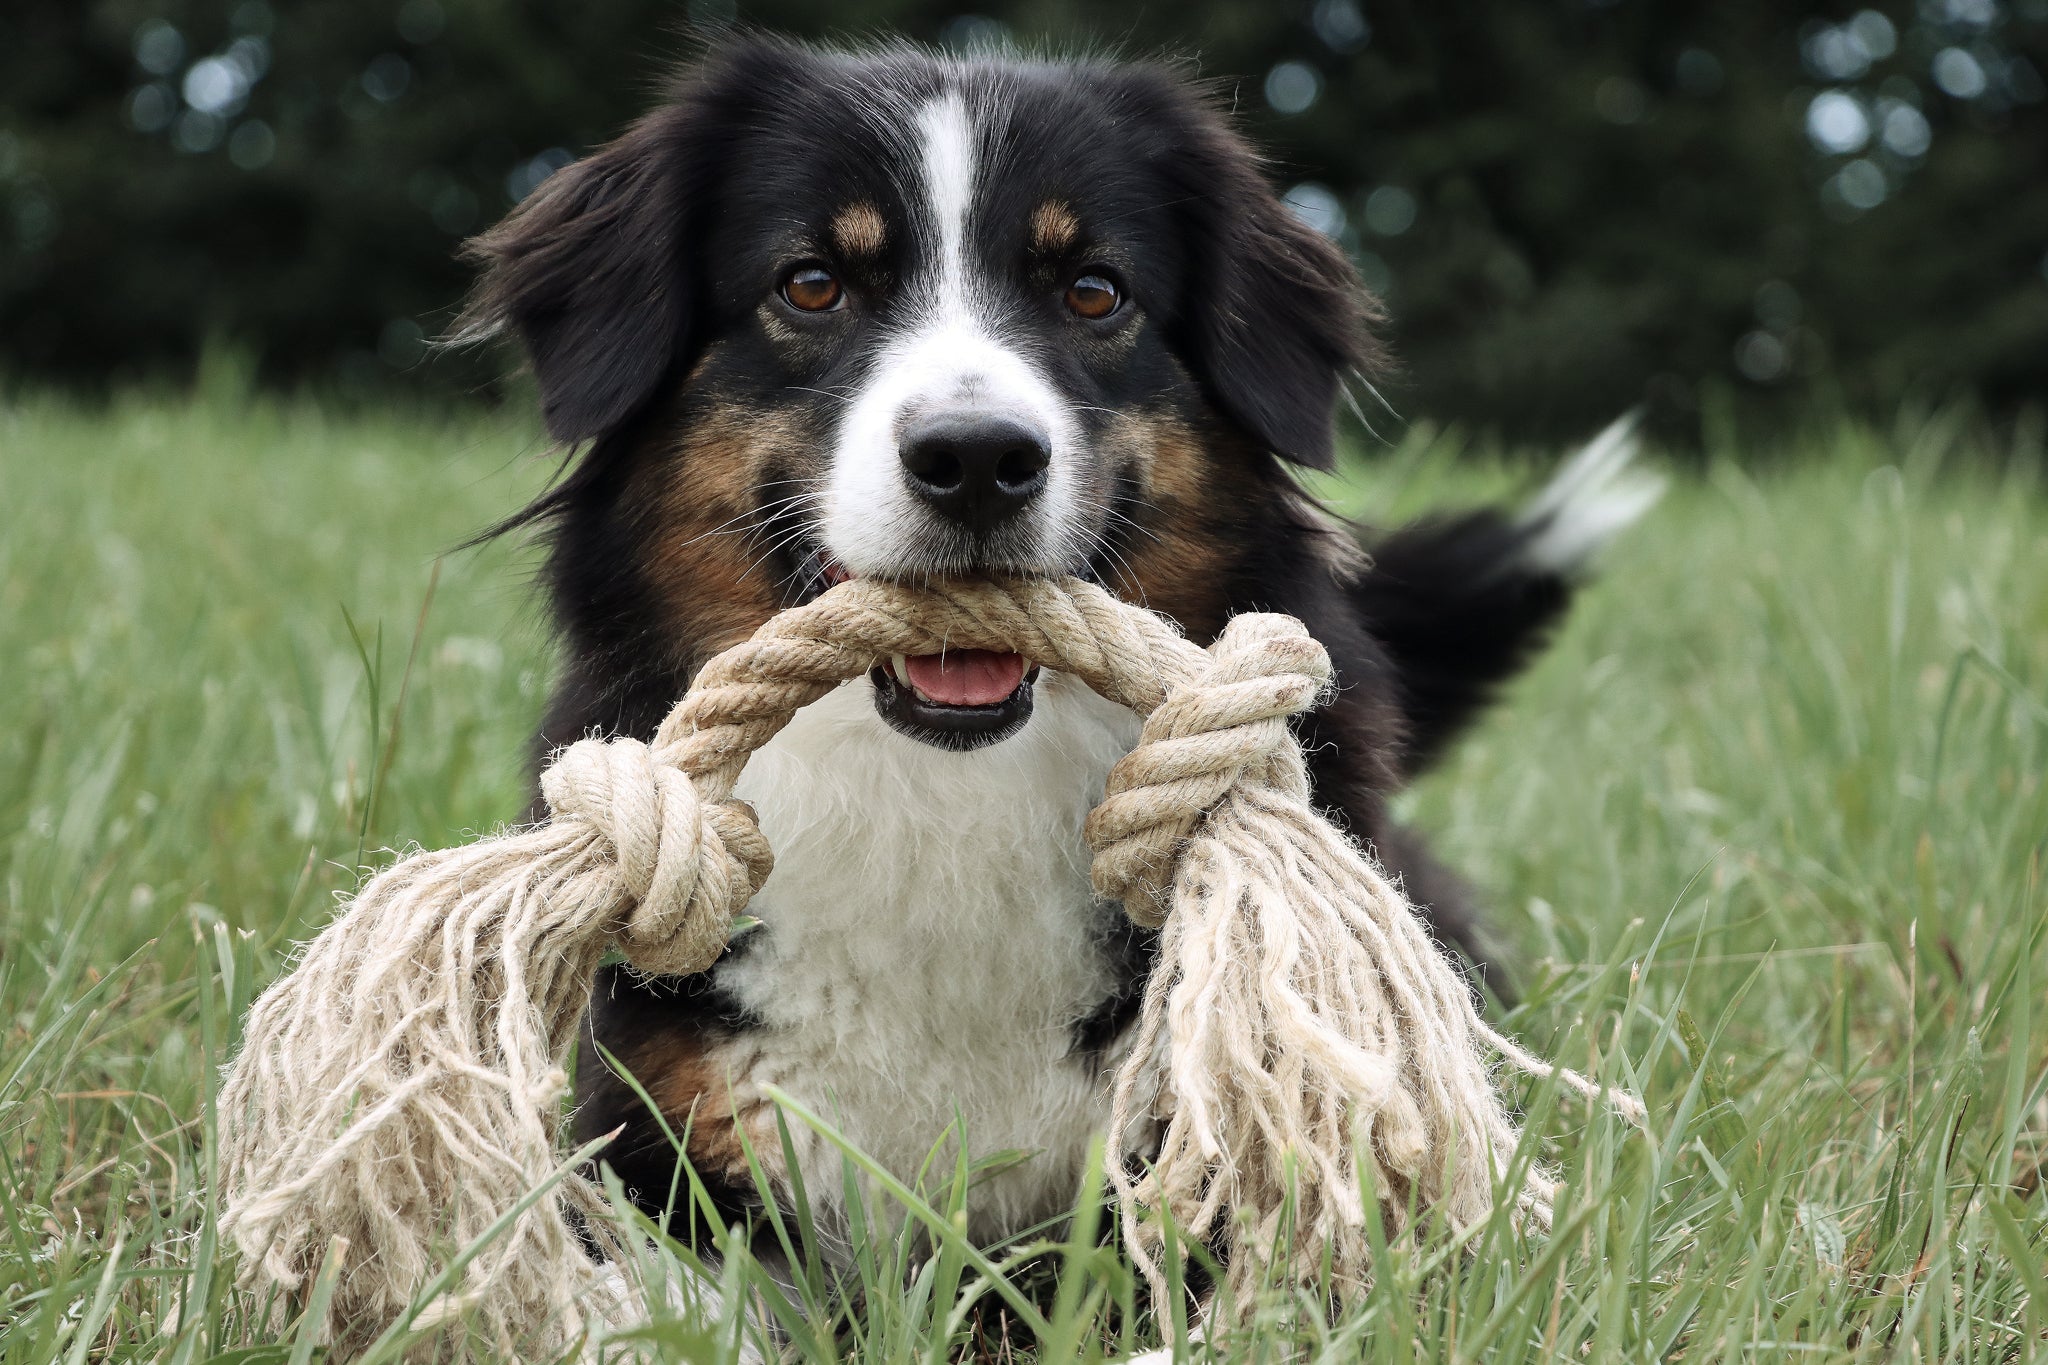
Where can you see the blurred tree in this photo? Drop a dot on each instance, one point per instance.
(1571, 205)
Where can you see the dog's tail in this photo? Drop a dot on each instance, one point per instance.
(1461, 603)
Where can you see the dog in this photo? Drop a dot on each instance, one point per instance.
(896, 314)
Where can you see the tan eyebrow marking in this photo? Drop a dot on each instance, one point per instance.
(858, 230)
(1054, 228)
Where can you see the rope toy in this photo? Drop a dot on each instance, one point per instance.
(400, 1087)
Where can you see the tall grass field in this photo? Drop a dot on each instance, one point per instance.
(1764, 837)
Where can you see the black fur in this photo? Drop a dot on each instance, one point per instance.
(599, 272)
(640, 285)
(1282, 322)
(1459, 611)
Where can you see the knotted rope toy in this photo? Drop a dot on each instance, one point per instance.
(400, 1087)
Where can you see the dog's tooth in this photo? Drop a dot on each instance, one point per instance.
(900, 667)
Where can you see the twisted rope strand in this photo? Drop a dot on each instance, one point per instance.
(400, 1087)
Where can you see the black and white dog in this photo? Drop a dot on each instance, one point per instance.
(896, 314)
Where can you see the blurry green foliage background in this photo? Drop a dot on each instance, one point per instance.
(1571, 206)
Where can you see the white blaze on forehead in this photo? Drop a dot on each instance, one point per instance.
(950, 354)
(947, 137)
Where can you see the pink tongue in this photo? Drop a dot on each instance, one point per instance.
(966, 677)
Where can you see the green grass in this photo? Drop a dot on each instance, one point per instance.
(1766, 831)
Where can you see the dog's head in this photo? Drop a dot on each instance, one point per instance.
(895, 314)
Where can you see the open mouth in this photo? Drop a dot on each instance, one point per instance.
(960, 699)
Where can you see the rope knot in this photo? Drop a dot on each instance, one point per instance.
(1224, 729)
(688, 865)
(400, 1089)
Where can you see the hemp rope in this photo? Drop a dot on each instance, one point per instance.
(400, 1087)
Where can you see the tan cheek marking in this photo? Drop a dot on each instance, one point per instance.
(1189, 486)
(705, 561)
(1054, 228)
(858, 231)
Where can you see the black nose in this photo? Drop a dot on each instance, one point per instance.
(979, 471)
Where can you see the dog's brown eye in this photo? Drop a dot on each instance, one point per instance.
(1093, 296)
(812, 289)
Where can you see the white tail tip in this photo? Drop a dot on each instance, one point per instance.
(1596, 496)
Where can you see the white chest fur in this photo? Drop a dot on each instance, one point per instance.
(929, 940)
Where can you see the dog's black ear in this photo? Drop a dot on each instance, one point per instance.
(1271, 317)
(1281, 329)
(589, 273)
